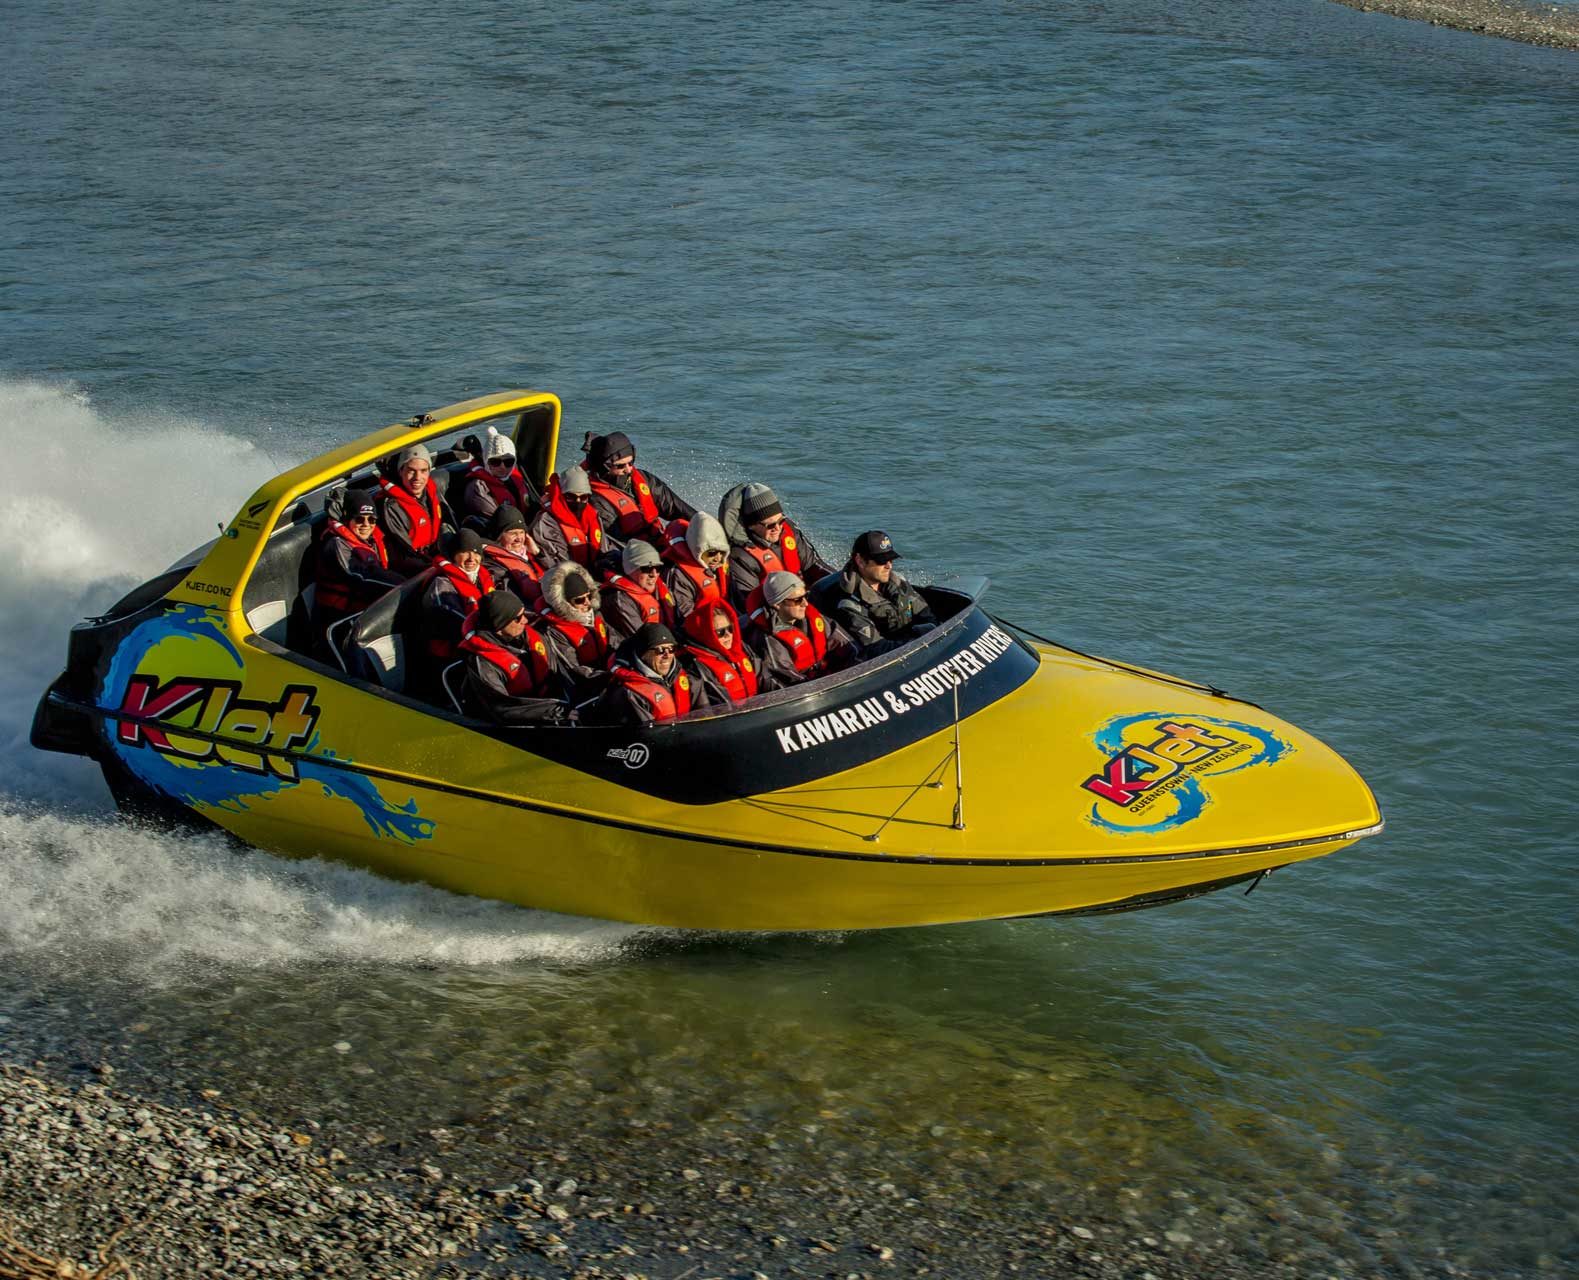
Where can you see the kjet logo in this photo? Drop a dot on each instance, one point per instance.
(1156, 765)
(634, 755)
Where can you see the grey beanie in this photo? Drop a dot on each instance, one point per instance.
(639, 555)
(758, 503)
(780, 585)
(574, 480)
(413, 451)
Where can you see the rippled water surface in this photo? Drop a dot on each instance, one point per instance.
(1235, 340)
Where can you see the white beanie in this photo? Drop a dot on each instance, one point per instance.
(412, 451)
(705, 534)
(574, 480)
(497, 446)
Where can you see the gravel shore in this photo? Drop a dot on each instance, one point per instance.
(94, 1176)
(1541, 24)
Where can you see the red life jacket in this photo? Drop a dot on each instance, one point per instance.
(655, 606)
(471, 592)
(524, 572)
(673, 537)
(709, 589)
(591, 642)
(637, 514)
(584, 533)
(785, 554)
(508, 492)
(664, 703)
(425, 519)
(527, 670)
(341, 595)
(732, 667)
(808, 649)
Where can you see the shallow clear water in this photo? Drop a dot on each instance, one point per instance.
(1236, 341)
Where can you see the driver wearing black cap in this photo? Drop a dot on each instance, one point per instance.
(872, 601)
(630, 503)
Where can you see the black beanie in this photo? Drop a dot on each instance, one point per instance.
(466, 540)
(498, 608)
(758, 503)
(359, 502)
(601, 449)
(649, 636)
(506, 516)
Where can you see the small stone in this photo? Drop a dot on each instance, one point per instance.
(1085, 1233)
(690, 1175)
(1178, 1237)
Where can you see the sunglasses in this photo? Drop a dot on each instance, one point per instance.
(728, 629)
(663, 651)
(776, 523)
(576, 499)
(501, 462)
(628, 464)
(584, 598)
(364, 519)
(794, 599)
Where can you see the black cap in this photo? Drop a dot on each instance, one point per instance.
(359, 502)
(650, 635)
(499, 608)
(506, 516)
(602, 450)
(875, 545)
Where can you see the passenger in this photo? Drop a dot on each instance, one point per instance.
(414, 517)
(797, 643)
(352, 563)
(725, 667)
(631, 503)
(876, 605)
(647, 682)
(576, 633)
(763, 541)
(456, 590)
(698, 569)
(567, 527)
(510, 672)
(512, 557)
(494, 481)
(637, 595)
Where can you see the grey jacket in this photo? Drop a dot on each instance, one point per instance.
(876, 620)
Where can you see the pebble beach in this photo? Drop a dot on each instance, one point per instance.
(100, 1181)
(1548, 25)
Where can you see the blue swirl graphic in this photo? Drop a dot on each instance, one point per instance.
(215, 785)
(1189, 797)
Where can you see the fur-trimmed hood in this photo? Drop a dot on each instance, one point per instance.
(554, 582)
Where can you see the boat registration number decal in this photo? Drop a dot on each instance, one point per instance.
(1156, 764)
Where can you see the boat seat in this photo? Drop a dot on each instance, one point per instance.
(386, 631)
(453, 679)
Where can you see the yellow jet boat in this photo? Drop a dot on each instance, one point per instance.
(972, 774)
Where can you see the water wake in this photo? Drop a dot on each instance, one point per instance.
(111, 508)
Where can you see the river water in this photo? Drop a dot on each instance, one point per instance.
(1235, 340)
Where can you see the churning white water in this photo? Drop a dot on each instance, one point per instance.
(112, 501)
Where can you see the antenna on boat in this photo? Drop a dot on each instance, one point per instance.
(959, 771)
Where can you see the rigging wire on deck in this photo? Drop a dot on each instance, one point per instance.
(1120, 666)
